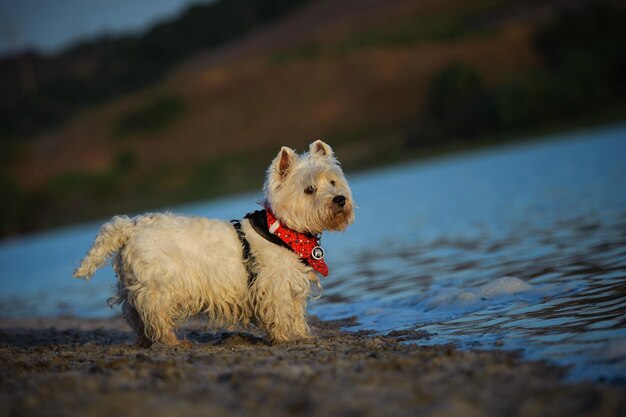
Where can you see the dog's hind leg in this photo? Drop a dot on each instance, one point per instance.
(129, 313)
(134, 321)
(158, 321)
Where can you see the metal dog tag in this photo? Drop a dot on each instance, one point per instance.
(317, 253)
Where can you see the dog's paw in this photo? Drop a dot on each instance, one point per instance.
(185, 343)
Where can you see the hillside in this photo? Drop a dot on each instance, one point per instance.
(41, 91)
(377, 79)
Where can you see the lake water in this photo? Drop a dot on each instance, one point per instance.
(520, 248)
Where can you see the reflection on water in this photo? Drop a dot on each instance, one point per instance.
(518, 248)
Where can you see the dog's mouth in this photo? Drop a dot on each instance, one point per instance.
(341, 218)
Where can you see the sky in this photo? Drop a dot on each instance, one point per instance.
(51, 25)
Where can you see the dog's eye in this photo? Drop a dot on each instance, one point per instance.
(309, 190)
(332, 182)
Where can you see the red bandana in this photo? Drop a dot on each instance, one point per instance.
(306, 246)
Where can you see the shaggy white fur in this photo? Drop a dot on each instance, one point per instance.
(172, 267)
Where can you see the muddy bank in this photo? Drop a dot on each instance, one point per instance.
(79, 367)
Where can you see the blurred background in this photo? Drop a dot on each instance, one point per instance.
(111, 107)
(484, 141)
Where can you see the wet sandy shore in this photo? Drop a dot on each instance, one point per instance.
(80, 367)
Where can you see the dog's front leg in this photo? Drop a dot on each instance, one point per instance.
(281, 310)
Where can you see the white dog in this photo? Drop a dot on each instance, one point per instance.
(257, 270)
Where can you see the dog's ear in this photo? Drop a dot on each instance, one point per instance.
(320, 148)
(284, 161)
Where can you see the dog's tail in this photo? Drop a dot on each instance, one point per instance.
(110, 239)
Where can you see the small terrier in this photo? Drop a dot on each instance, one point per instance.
(257, 270)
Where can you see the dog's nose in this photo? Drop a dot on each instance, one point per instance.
(340, 200)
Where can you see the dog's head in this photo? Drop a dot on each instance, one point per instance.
(309, 193)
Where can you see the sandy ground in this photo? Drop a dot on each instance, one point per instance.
(79, 367)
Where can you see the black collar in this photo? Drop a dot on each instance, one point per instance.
(258, 221)
(247, 256)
